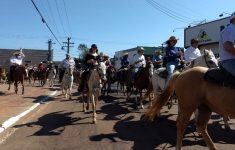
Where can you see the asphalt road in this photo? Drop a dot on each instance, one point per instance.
(60, 124)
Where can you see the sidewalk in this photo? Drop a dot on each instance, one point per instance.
(14, 106)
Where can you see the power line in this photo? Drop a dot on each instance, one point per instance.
(166, 11)
(67, 18)
(44, 21)
(58, 11)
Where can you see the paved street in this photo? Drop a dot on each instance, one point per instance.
(60, 124)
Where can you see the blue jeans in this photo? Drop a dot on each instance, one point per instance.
(229, 65)
(170, 67)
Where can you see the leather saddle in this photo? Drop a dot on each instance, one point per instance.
(221, 77)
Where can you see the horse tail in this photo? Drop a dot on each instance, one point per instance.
(163, 98)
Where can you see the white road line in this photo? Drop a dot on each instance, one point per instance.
(14, 119)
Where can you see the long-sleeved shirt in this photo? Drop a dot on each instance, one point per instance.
(171, 53)
(138, 57)
(66, 62)
(124, 62)
(16, 60)
(191, 53)
(90, 56)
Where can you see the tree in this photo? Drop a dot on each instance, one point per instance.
(83, 50)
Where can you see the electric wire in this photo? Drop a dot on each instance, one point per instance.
(44, 21)
(67, 18)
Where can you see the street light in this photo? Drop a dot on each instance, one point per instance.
(222, 14)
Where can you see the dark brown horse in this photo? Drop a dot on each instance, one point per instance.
(111, 75)
(18, 76)
(143, 81)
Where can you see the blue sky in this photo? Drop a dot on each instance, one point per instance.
(112, 24)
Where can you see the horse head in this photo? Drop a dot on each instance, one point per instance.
(69, 70)
(210, 59)
(102, 70)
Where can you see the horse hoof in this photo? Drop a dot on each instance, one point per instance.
(94, 121)
(142, 106)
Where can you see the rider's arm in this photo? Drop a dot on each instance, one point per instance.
(229, 47)
(228, 41)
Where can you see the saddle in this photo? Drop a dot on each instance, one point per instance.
(221, 77)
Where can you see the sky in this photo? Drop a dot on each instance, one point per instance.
(113, 25)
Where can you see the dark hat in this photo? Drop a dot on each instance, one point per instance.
(172, 38)
(194, 41)
(93, 46)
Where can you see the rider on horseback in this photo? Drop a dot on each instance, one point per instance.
(15, 61)
(192, 52)
(138, 62)
(91, 59)
(65, 64)
(226, 46)
(40, 67)
(173, 57)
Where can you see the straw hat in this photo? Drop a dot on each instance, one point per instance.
(125, 54)
(17, 53)
(140, 49)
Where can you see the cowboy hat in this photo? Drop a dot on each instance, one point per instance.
(172, 38)
(125, 54)
(17, 53)
(140, 49)
(232, 16)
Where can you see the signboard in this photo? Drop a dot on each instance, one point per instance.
(206, 33)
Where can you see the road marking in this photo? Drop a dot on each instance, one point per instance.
(14, 119)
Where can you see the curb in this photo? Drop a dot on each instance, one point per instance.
(6, 124)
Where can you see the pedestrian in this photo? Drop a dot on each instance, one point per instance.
(227, 46)
(192, 52)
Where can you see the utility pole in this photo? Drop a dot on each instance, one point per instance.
(49, 57)
(68, 44)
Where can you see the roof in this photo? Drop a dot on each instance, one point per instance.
(147, 50)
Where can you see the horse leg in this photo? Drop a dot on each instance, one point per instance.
(22, 83)
(83, 102)
(182, 121)
(70, 93)
(226, 124)
(16, 87)
(204, 114)
(94, 108)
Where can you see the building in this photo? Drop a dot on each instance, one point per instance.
(148, 52)
(208, 34)
(32, 56)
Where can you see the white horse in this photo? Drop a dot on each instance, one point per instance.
(205, 60)
(51, 76)
(67, 82)
(94, 87)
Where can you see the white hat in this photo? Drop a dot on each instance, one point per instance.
(232, 16)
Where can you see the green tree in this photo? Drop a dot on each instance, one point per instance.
(83, 50)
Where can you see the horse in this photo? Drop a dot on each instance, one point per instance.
(18, 76)
(145, 75)
(2, 75)
(97, 74)
(77, 76)
(111, 78)
(67, 82)
(205, 60)
(194, 92)
(51, 74)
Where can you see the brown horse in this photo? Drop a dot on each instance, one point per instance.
(18, 76)
(2, 75)
(193, 92)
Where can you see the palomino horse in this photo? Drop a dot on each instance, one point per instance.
(193, 92)
(18, 76)
(67, 82)
(97, 73)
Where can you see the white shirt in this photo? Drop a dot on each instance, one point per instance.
(15, 60)
(191, 53)
(137, 57)
(226, 35)
(67, 62)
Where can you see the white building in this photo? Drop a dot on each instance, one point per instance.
(208, 34)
